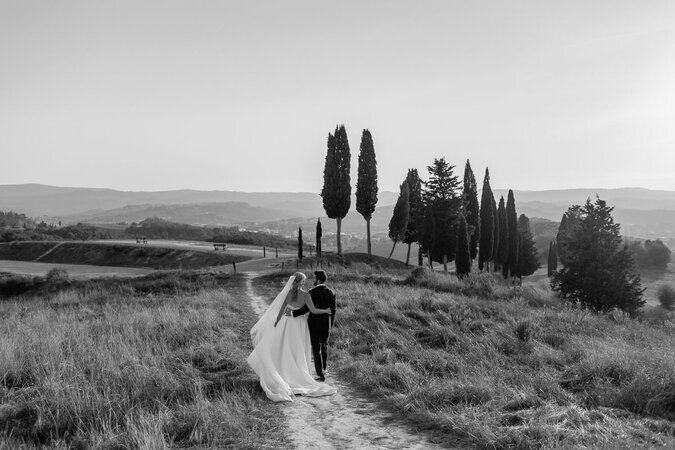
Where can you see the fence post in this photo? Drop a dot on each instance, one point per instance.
(264, 252)
(234, 266)
(282, 266)
(276, 252)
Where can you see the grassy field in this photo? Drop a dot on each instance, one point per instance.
(151, 362)
(481, 364)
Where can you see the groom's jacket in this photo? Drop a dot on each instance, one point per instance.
(322, 297)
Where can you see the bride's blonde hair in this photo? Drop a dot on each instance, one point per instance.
(299, 276)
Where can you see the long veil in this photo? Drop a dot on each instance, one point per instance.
(266, 322)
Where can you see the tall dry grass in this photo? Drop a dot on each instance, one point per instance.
(103, 368)
(480, 363)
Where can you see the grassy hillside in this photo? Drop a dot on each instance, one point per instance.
(133, 365)
(485, 365)
(114, 255)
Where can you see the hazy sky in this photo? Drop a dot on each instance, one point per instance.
(154, 95)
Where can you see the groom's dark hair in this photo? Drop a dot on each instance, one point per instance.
(321, 276)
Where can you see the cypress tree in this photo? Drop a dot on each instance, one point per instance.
(495, 243)
(413, 232)
(528, 255)
(471, 208)
(400, 217)
(463, 257)
(512, 220)
(336, 192)
(366, 184)
(300, 243)
(442, 195)
(486, 227)
(319, 233)
(503, 247)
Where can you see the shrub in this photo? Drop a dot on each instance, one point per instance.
(666, 296)
(56, 275)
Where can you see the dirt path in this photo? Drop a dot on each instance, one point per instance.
(48, 252)
(343, 420)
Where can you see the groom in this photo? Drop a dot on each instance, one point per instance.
(319, 324)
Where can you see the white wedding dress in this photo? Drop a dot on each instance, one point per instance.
(281, 355)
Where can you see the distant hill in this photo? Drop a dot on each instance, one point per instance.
(641, 212)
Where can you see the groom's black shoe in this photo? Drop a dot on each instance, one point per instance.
(321, 378)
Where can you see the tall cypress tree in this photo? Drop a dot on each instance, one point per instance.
(486, 227)
(495, 243)
(319, 233)
(400, 216)
(366, 185)
(336, 192)
(528, 255)
(471, 208)
(463, 257)
(413, 232)
(442, 194)
(512, 219)
(300, 243)
(503, 247)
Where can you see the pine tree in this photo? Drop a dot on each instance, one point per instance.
(336, 192)
(471, 208)
(528, 255)
(442, 195)
(366, 185)
(503, 247)
(319, 234)
(512, 220)
(486, 227)
(463, 257)
(300, 244)
(598, 271)
(400, 217)
(413, 232)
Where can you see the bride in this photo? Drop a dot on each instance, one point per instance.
(282, 349)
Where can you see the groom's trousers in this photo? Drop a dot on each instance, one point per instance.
(318, 336)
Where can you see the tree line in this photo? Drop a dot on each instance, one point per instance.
(440, 214)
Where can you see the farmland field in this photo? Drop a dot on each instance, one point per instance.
(82, 271)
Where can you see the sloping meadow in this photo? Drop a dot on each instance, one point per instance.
(481, 363)
(106, 367)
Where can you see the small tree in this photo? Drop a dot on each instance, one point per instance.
(413, 232)
(597, 271)
(486, 227)
(400, 216)
(366, 185)
(552, 258)
(336, 192)
(463, 256)
(666, 296)
(300, 243)
(319, 233)
(471, 209)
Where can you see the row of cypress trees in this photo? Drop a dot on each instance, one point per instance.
(446, 220)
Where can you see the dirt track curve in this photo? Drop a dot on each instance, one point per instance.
(343, 420)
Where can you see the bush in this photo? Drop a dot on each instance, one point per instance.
(666, 296)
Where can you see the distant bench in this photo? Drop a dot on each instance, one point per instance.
(222, 247)
(141, 240)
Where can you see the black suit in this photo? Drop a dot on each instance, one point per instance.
(319, 324)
